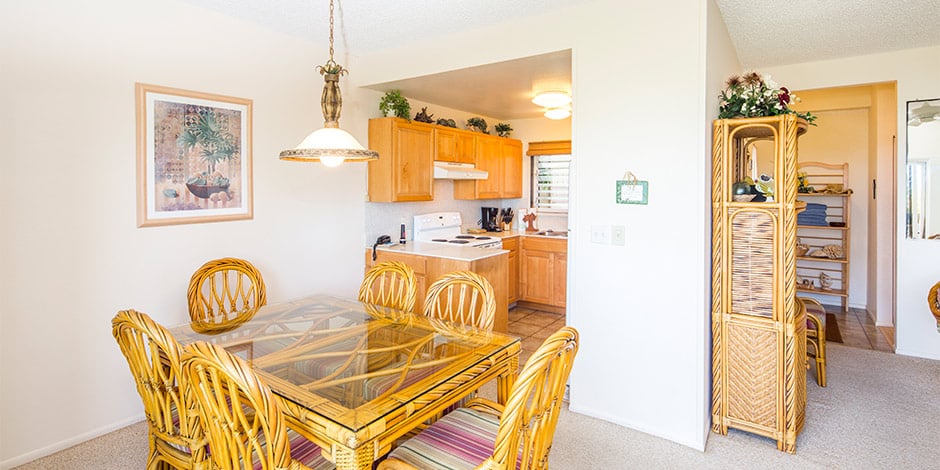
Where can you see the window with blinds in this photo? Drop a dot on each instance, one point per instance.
(550, 182)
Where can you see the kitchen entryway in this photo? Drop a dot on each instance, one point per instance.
(533, 327)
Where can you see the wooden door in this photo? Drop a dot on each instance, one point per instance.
(512, 244)
(511, 155)
(559, 279)
(488, 159)
(414, 153)
(537, 276)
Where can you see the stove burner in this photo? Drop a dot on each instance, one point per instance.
(459, 242)
(483, 238)
(439, 240)
(465, 237)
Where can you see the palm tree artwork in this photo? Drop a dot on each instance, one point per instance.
(208, 129)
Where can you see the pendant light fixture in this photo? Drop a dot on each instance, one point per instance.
(330, 145)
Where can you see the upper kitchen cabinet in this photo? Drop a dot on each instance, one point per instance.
(454, 146)
(502, 159)
(511, 153)
(404, 170)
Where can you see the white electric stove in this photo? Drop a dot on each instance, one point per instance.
(444, 227)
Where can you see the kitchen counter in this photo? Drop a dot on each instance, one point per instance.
(523, 233)
(440, 250)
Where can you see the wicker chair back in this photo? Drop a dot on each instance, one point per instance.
(462, 297)
(153, 356)
(223, 293)
(390, 284)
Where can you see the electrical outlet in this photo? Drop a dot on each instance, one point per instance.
(618, 235)
(600, 234)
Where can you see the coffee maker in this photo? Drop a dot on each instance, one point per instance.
(490, 219)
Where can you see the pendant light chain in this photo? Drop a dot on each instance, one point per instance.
(331, 67)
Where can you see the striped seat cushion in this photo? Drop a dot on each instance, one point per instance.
(305, 452)
(461, 439)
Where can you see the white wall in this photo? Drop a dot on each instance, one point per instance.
(639, 105)
(917, 72)
(72, 253)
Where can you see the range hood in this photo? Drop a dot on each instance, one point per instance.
(458, 171)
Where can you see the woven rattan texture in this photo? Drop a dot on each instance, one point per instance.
(752, 262)
(752, 375)
(243, 420)
(527, 422)
(462, 297)
(154, 360)
(224, 292)
(390, 284)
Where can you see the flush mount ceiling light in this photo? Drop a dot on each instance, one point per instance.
(330, 145)
(552, 99)
(558, 113)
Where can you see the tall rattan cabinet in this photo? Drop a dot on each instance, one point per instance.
(758, 327)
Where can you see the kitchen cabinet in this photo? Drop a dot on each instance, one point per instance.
(512, 244)
(812, 266)
(429, 268)
(510, 151)
(502, 159)
(404, 170)
(544, 269)
(454, 145)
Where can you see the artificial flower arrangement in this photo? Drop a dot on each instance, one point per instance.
(756, 95)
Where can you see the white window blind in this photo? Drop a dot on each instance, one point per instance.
(550, 182)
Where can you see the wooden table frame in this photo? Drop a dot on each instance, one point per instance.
(381, 421)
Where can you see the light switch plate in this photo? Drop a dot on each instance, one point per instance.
(600, 234)
(618, 235)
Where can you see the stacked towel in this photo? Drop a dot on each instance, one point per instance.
(815, 214)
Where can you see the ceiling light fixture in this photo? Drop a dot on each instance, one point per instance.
(330, 145)
(558, 113)
(552, 99)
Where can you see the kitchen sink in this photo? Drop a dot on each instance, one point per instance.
(552, 233)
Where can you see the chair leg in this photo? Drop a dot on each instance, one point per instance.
(818, 340)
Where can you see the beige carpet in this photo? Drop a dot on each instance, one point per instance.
(880, 411)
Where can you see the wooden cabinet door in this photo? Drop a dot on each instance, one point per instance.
(414, 154)
(512, 244)
(488, 159)
(537, 276)
(559, 279)
(511, 155)
(454, 146)
(446, 145)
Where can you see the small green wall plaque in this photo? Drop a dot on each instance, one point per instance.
(632, 192)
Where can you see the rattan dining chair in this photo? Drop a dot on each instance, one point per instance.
(390, 284)
(487, 435)
(224, 292)
(815, 337)
(244, 423)
(462, 297)
(153, 355)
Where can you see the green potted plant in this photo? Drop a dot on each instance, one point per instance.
(393, 102)
(477, 124)
(503, 129)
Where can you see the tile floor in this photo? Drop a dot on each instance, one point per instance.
(859, 331)
(857, 328)
(533, 327)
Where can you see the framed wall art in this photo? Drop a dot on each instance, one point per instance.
(193, 157)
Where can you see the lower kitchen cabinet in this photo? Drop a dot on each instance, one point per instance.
(512, 244)
(544, 268)
(429, 268)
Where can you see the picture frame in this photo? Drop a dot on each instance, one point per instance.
(632, 192)
(194, 157)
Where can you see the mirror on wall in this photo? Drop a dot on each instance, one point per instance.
(923, 169)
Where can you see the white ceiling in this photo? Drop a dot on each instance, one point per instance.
(764, 33)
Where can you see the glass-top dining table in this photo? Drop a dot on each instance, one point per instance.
(353, 377)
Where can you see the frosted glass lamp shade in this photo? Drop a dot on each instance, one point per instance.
(330, 146)
(552, 99)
